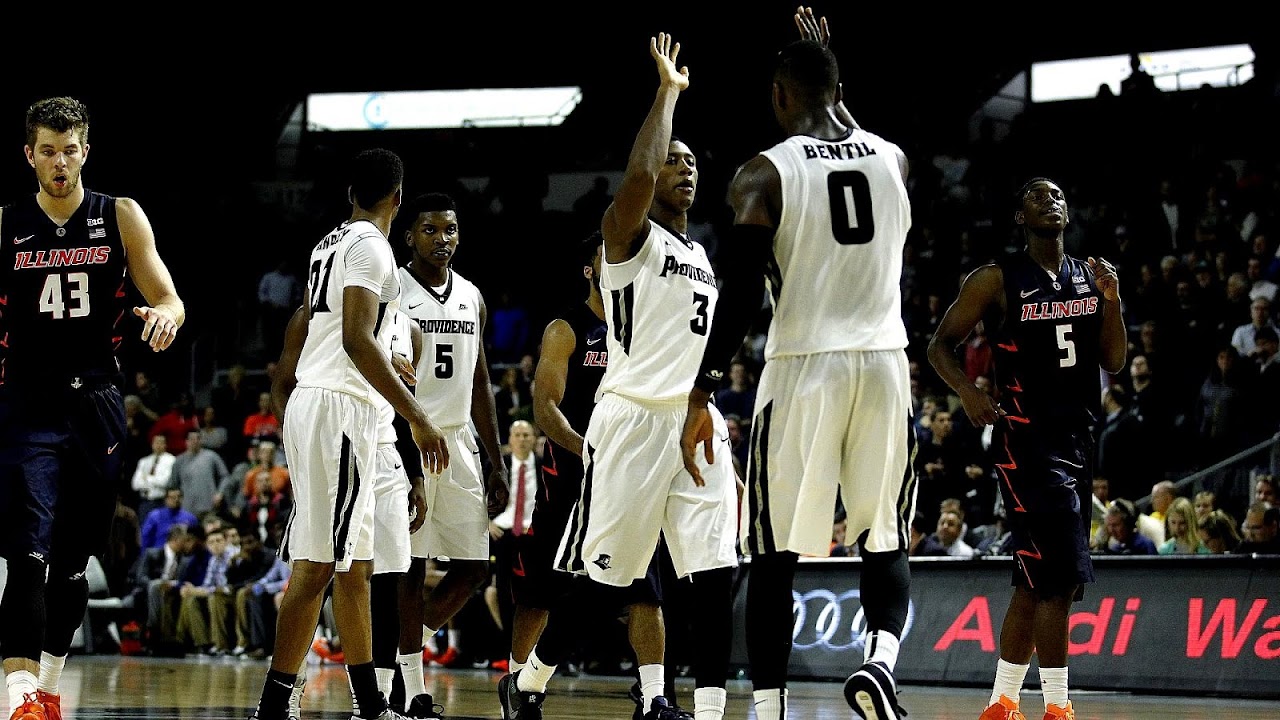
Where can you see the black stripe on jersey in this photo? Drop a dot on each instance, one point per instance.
(774, 276)
(348, 491)
(571, 559)
(382, 311)
(907, 493)
(624, 304)
(760, 524)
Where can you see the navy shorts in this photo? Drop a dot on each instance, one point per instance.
(60, 460)
(1045, 483)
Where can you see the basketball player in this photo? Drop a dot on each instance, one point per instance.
(331, 433)
(64, 255)
(453, 388)
(1053, 320)
(824, 215)
(572, 361)
(659, 294)
(394, 500)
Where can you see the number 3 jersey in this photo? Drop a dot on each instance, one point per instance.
(449, 319)
(836, 269)
(62, 295)
(658, 306)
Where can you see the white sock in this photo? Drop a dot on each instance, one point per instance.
(515, 665)
(882, 647)
(534, 676)
(453, 638)
(708, 703)
(21, 683)
(1009, 679)
(653, 683)
(411, 671)
(429, 640)
(1053, 683)
(50, 672)
(386, 678)
(770, 704)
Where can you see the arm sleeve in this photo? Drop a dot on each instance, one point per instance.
(742, 269)
(369, 262)
(408, 450)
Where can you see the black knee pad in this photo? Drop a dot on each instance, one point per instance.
(22, 609)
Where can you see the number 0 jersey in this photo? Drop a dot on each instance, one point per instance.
(355, 254)
(658, 306)
(450, 324)
(61, 294)
(835, 276)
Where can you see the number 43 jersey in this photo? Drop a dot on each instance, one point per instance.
(835, 276)
(449, 318)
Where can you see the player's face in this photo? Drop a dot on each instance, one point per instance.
(434, 237)
(57, 159)
(678, 179)
(1044, 208)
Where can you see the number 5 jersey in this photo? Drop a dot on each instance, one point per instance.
(449, 318)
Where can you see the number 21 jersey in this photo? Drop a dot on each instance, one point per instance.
(835, 275)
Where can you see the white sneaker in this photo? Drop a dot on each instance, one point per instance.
(295, 698)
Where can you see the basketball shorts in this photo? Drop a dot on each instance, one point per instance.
(534, 580)
(828, 421)
(635, 487)
(331, 441)
(60, 457)
(457, 524)
(391, 512)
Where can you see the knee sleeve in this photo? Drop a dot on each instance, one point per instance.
(886, 590)
(770, 609)
(22, 609)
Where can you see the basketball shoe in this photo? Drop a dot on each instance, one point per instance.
(30, 709)
(1053, 712)
(52, 704)
(872, 692)
(517, 704)
(1003, 709)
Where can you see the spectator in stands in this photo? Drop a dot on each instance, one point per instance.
(262, 423)
(137, 439)
(952, 469)
(1138, 84)
(978, 354)
(511, 402)
(155, 526)
(1238, 306)
(177, 424)
(1261, 530)
(262, 604)
(192, 568)
(213, 434)
(1205, 502)
(919, 531)
(193, 612)
(1218, 533)
(250, 561)
(152, 476)
(1163, 494)
(738, 442)
(279, 293)
(1121, 450)
(265, 472)
(1182, 530)
(230, 502)
(1123, 537)
(1244, 337)
(153, 568)
(1222, 412)
(946, 540)
(149, 394)
(1267, 396)
(739, 397)
(233, 401)
(198, 472)
(1264, 489)
(1260, 287)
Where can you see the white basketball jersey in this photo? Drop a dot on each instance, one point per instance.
(396, 338)
(355, 254)
(450, 324)
(658, 306)
(837, 254)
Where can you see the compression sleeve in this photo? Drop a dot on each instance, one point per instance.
(742, 270)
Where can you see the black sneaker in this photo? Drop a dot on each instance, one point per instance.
(660, 709)
(424, 706)
(516, 703)
(872, 693)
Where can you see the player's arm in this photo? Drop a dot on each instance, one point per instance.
(558, 343)
(165, 312)
(484, 414)
(1113, 341)
(756, 197)
(408, 450)
(981, 290)
(286, 379)
(818, 30)
(626, 221)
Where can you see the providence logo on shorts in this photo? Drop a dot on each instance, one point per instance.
(603, 561)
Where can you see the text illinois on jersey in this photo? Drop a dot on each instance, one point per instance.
(97, 255)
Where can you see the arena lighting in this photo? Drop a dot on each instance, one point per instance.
(418, 110)
(1173, 70)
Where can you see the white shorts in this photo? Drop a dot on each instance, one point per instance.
(331, 440)
(822, 422)
(457, 524)
(391, 513)
(635, 487)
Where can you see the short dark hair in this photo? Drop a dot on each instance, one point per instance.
(176, 531)
(588, 248)
(810, 66)
(1026, 187)
(430, 202)
(375, 174)
(1126, 510)
(59, 114)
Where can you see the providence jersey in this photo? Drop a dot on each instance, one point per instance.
(396, 338)
(835, 276)
(355, 254)
(62, 294)
(1046, 352)
(586, 365)
(658, 306)
(450, 324)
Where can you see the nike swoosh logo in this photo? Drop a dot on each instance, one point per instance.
(1029, 293)
(112, 448)
(397, 467)
(19, 241)
(414, 306)
(593, 342)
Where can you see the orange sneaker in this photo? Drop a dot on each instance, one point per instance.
(1003, 709)
(1053, 712)
(52, 704)
(30, 709)
(427, 655)
(447, 658)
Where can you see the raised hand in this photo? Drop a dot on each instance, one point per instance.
(665, 50)
(1104, 274)
(812, 28)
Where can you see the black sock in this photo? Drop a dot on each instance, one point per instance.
(385, 601)
(274, 704)
(769, 613)
(364, 685)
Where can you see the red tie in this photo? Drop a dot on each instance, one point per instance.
(517, 527)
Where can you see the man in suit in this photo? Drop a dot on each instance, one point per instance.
(523, 467)
(153, 567)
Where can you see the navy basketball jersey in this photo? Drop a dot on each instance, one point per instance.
(62, 294)
(586, 365)
(1046, 351)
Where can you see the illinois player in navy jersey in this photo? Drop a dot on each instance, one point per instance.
(66, 254)
(1053, 321)
(659, 293)
(823, 215)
